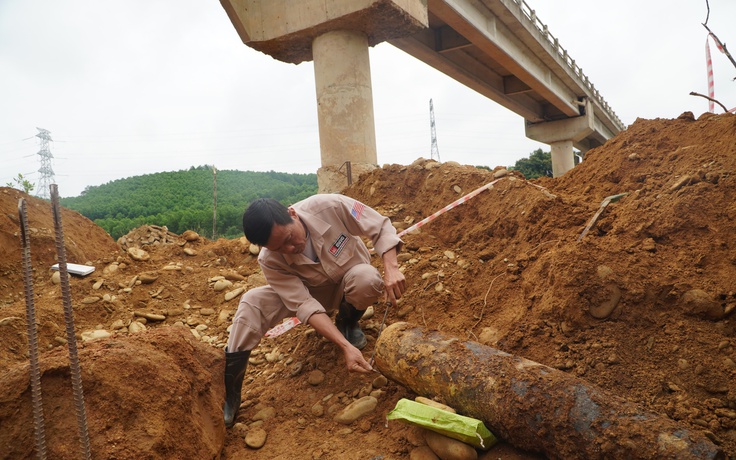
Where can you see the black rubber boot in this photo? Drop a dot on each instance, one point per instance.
(347, 323)
(235, 364)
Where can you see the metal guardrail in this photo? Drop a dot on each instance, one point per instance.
(531, 16)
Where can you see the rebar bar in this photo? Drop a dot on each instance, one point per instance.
(35, 372)
(69, 320)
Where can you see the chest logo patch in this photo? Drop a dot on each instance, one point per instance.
(338, 245)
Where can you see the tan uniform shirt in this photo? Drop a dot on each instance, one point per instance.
(335, 223)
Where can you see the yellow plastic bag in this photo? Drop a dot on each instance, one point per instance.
(466, 429)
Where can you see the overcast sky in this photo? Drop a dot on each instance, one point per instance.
(138, 86)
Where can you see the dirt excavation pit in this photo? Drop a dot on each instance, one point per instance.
(641, 307)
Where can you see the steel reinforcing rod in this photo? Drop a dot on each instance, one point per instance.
(69, 320)
(35, 372)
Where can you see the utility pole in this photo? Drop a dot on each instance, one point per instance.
(214, 207)
(47, 172)
(435, 150)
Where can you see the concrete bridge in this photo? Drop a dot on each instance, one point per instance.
(499, 48)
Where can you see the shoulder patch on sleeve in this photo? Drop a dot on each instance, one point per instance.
(357, 210)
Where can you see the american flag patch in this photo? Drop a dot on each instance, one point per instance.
(357, 210)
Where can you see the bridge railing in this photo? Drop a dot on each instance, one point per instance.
(531, 16)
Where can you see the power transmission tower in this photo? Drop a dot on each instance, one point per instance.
(435, 150)
(214, 205)
(47, 172)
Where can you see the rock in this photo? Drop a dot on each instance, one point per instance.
(256, 438)
(265, 414)
(274, 356)
(403, 257)
(406, 310)
(380, 382)
(190, 235)
(10, 319)
(699, 303)
(222, 284)
(448, 448)
(356, 409)
(318, 410)
(147, 278)
(90, 300)
(190, 252)
(254, 249)
(136, 327)
(98, 284)
(230, 295)
(457, 189)
(56, 277)
(423, 453)
(369, 312)
(296, 369)
(500, 173)
(223, 317)
(680, 183)
(149, 316)
(138, 254)
(610, 295)
(316, 377)
(207, 311)
(95, 335)
(110, 269)
(232, 276)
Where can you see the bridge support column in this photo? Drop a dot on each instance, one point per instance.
(563, 158)
(336, 35)
(347, 132)
(561, 135)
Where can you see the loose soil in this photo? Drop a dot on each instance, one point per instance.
(641, 306)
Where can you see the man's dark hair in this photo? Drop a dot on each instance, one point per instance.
(260, 217)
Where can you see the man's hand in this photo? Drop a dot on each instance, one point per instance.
(393, 280)
(354, 360)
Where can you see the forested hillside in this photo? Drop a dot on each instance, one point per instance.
(183, 200)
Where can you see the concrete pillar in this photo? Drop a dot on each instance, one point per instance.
(563, 158)
(342, 75)
(335, 34)
(561, 135)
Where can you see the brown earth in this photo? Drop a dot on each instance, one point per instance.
(641, 307)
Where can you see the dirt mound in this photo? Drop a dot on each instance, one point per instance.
(84, 241)
(137, 391)
(641, 306)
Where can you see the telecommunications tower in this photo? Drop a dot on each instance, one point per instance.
(47, 172)
(435, 150)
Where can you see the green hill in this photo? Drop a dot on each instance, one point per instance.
(183, 200)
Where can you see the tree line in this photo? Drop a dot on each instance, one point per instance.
(184, 200)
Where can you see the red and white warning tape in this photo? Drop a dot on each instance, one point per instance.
(709, 68)
(455, 203)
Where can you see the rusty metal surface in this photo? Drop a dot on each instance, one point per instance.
(35, 372)
(530, 405)
(69, 321)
